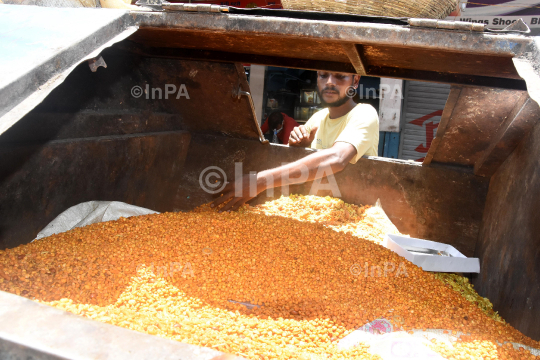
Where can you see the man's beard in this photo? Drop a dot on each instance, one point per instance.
(337, 103)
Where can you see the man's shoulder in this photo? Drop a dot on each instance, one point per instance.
(363, 112)
(363, 109)
(319, 116)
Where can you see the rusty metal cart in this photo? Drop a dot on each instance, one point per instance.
(88, 112)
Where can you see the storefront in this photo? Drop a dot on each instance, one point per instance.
(294, 92)
(421, 113)
(408, 124)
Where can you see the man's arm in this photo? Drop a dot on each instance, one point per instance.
(336, 158)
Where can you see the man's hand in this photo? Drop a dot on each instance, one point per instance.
(248, 186)
(300, 137)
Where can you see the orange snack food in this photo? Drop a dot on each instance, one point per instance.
(173, 275)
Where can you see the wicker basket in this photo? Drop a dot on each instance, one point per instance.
(432, 9)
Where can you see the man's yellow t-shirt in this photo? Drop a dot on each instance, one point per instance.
(359, 127)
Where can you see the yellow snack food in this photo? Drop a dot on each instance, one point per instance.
(173, 274)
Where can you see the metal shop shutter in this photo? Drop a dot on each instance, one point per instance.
(422, 110)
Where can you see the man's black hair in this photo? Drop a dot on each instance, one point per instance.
(274, 120)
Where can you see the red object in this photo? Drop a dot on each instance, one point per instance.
(288, 125)
(430, 131)
(420, 121)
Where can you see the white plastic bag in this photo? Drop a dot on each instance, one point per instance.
(89, 213)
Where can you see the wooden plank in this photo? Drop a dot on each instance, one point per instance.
(232, 57)
(446, 78)
(455, 92)
(250, 42)
(353, 52)
(519, 122)
(438, 61)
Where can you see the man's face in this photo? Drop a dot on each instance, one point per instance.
(333, 87)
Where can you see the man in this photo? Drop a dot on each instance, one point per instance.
(281, 123)
(344, 132)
